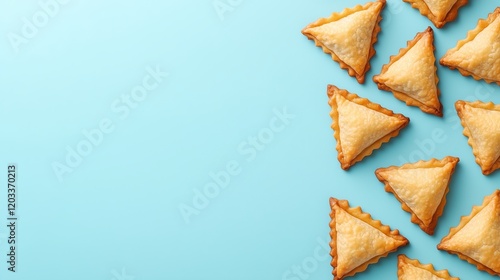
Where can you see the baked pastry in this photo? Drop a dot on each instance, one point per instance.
(476, 239)
(439, 12)
(360, 126)
(478, 55)
(421, 188)
(481, 122)
(409, 269)
(349, 36)
(412, 74)
(358, 240)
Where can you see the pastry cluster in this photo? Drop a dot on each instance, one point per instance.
(361, 127)
(357, 240)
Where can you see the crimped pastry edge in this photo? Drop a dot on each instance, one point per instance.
(331, 91)
(463, 221)
(425, 11)
(365, 217)
(438, 110)
(481, 25)
(360, 77)
(404, 260)
(459, 106)
(429, 229)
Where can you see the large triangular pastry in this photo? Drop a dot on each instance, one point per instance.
(409, 269)
(358, 240)
(360, 126)
(476, 239)
(439, 12)
(421, 188)
(481, 122)
(349, 36)
(412, 74)
(478, 55)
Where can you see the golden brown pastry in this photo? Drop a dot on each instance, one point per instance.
(421, 188)
(476, 239)
(478, 55)
(409, 269)
(358, 240)
(412, 74)
(481, 122)
(439, 12)
(349, 36)
(360, 126)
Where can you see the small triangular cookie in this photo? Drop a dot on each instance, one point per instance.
(476, 239)
(358, 240)
(478, 55)
(412, 74)
(409, 269)
(421, 188)
(439, 12)
(360, 126)
(349, 36)
(481, 122)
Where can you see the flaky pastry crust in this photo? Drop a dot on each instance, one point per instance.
(487, 164)
(404, 263)
(447, 167)
(397, 240)
(399, 122)
(489, 73)
(432, 106)
(488, 255)
(443, 17)
(360, 76)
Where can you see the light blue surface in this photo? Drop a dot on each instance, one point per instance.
(116, 215)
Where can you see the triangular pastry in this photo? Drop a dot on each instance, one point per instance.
(358, 240)
(412, 74)
(360, 126)
(481, 122)
(349, 36)
(439, 12)
(476, 239)
(478, 55)
(409, 269)
(421, 188)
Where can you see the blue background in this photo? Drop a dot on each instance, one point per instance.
(117, 215)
